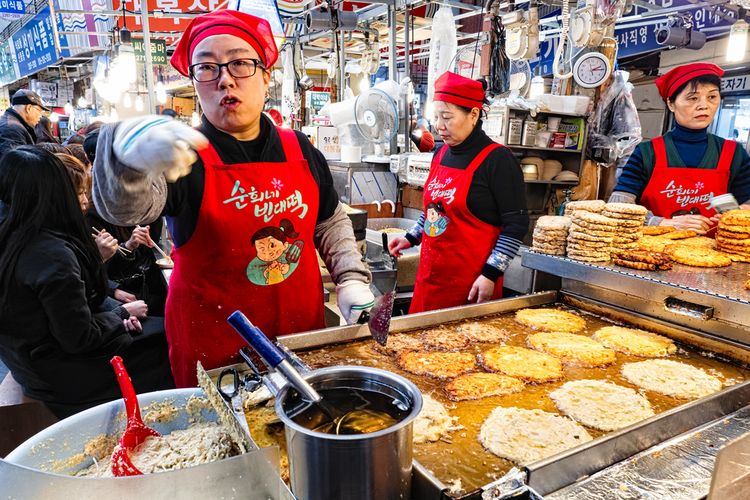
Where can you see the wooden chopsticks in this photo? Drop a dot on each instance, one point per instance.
(120, 249)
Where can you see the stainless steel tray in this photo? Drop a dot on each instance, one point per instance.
(566, 468)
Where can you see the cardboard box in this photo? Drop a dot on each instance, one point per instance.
(326, 139)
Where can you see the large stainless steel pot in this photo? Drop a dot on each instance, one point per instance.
(366, 466)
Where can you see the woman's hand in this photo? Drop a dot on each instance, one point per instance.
(132, 325)
(481, 290)
(137, 308)
(397, 244)
(139, 237)
(697, 223)
(124, 296)
(106, 243)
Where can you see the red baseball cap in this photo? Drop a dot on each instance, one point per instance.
(675, 78)
(254, 30)
(459, 90)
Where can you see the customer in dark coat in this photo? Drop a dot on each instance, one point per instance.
(54, 336)
(18, 122)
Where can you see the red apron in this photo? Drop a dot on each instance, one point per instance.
(673, 190)
(237, 259)
(455, 243)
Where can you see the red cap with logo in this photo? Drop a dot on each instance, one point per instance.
(254, 30)
(459, 90)
(669, 82)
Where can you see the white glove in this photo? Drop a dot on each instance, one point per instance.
(158, 145)
(354, 297)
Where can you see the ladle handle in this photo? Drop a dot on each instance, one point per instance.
(256, 339)
(132, 409)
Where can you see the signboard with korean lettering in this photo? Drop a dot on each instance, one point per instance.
(316, 100)
(12, 9)
(34, 46)
(166, 24)
(633, 38)
(733, 84)
(7, 68)
(265, 9)
(158, 51)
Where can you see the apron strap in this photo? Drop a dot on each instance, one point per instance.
(727, 153)
(477, 161)
(290, 143)
(660, 152)
(209, 156)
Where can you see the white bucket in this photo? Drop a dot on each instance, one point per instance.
(351, 154)
(341, 112)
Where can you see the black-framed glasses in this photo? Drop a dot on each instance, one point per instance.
(238, 68)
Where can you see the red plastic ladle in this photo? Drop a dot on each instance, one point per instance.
(136, 431)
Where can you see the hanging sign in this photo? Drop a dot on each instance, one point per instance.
(34, 45)
(316, 100)
(12, 9)
(7, 68)
(82, 23)
(264, 9)
(634, 39)
(165, 24)
(158, 51)
(739, 83)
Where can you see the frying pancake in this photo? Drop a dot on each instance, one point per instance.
(635, 342)
(525, 436)
(399, 342)
(657, 230)
(433, 422)
(437, 364)
(572, 348)
(671, 378)
(483, 331)
(601, 405)
(553, 320)
(699, 257)
(481, 385)
(522, 363)
(444, 339)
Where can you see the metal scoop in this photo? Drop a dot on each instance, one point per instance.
(341, 422)
(136, 431)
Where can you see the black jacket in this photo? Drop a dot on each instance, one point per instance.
(14, 131)
(54, 337)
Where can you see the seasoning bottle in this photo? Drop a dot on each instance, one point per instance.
(529, 132)
(515, 127)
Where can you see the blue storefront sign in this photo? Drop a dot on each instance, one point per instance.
(633, 39)
(34, 45)
(12, 9)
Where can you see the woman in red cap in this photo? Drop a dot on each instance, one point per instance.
(248, 178)
(676, 175)
(475, 206)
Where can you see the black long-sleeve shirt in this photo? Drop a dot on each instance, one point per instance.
(496, 196)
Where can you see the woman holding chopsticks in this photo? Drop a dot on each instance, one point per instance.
(55, 336)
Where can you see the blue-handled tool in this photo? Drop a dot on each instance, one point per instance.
(272, 356)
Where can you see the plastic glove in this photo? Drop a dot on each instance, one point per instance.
(354, 297)
(159, 145)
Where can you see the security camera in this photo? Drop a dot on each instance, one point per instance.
(679, 32)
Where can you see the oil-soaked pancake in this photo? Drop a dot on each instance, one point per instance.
(572, 349)
(551, 320)
(522, 363)
(444, 339)
(481, 385)
(671, 378)
(399, 342)
(635, 342)
(437, 364)
(484, 331)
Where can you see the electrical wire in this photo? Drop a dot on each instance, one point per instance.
(556, 71)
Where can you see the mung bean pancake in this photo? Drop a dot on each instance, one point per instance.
(519, 362)
(400, 342)
(444, 339)
(671, 378)
(483, 331)
(526, 436)
(572, 349)
(601, 405)
(636, 342)
(433, 422)
(548, 319)
(437, 364)
(481, 385)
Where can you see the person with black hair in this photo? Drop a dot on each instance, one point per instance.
(169, 112)
(54, 336)
(44, 132)
(676, 175)
(89, 145)
(475, 206)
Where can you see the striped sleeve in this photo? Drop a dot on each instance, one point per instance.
(506, 248)
(414, 235)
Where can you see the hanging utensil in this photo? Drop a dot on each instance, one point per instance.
(381, 314)
(231, 417)
(357, 421)
(136, 431)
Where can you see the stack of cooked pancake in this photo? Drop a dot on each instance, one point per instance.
(593, 206)
(733, 235)
(630, 219)
(551, 234)
(591, 236)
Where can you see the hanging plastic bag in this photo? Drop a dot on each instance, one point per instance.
(290, 101)
(615, 125)
(442, 49)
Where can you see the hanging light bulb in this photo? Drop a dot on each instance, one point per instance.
(127, 101)
(68, 109)
(139, 103)
(54, 117)
(82, 102)
(737, 43)
(364, 84)
(161, 93)
(195, 119)
(537, 87)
